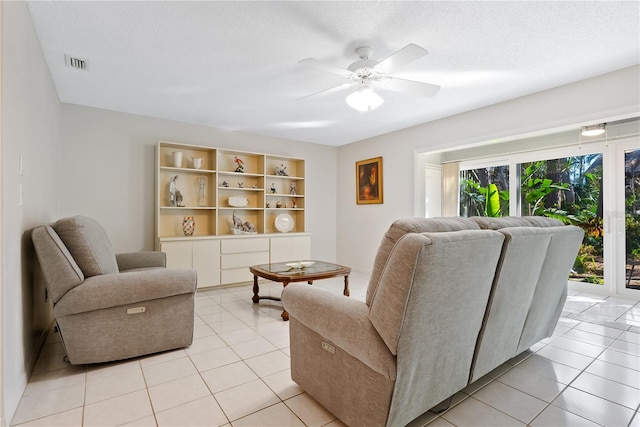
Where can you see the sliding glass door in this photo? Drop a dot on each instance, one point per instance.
(594, 185)
(569, 189)
(628, 217)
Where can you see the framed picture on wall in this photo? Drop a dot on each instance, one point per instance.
(369, 181)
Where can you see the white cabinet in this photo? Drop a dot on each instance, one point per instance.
(226, 260)
(206, 261)
(290, 248)
(237, 255)
(201, 255)
(179, 254)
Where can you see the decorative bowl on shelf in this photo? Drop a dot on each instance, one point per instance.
(284, 223)
(238, 202)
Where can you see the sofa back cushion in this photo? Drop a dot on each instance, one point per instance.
(488, 223)
(60, 270)
(88, 244)
(523, 253)
(428, 309)
(551, 290)
(403, 226)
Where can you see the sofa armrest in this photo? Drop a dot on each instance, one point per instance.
(342, 321)
(118, 289)
(144, 259)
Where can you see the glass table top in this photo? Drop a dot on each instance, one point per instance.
(300, 267)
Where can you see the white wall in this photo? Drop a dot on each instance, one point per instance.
(107, 172)
(31, 129)
(360, 227)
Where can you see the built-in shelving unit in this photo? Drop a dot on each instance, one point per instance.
(257, 188)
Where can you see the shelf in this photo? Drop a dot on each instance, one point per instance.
(263, 183)
(186, 170)
(246, 208)
(295, 178)
(241, 188)
(239, 174)
(188, 207)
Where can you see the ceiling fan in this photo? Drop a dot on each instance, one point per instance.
(367, 73)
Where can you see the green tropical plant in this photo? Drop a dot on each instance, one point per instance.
(535, 188)
(487, 201)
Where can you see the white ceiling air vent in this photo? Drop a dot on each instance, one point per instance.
(77, 63)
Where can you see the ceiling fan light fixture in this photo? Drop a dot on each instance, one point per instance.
(594, 130)
(364, 99)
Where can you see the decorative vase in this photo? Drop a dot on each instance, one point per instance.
(202, 191)
(177, 159)
(188, 225)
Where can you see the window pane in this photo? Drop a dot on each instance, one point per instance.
(569, 189)
(632, 220)
(484, 191)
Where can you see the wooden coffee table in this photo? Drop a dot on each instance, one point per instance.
(296, 271)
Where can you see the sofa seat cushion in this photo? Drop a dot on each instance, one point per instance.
(88, 244)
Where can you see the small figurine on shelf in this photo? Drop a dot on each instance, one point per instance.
(293, 204)
(239, 164)
(278, 204)
(273, 188)
(281, 170)
(225, 184)
(267, 205)
(292, 188)
(172, 191)
(240, 227)
(240, 184)
(179, 199)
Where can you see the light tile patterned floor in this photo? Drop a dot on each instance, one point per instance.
(236, 373)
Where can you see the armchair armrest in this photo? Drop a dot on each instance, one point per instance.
(112, 290)
(144, 259)
(341, 320)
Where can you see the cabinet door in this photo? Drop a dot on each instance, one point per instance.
(206, 261)
(290, 248)
(178, 254)
(301, 247)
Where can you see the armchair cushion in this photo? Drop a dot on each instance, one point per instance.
(88, 244)
(54, 257)
(121, 289)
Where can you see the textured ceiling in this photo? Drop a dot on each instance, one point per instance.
(234, 65)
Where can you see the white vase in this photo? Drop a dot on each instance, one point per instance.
(177, 159)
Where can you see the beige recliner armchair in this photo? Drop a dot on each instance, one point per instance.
(107, 306)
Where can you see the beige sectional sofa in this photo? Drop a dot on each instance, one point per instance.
(449, 300)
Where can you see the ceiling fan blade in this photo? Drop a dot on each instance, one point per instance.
(312, 62)
(407, 54)
(410, 86)
(328, 91)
